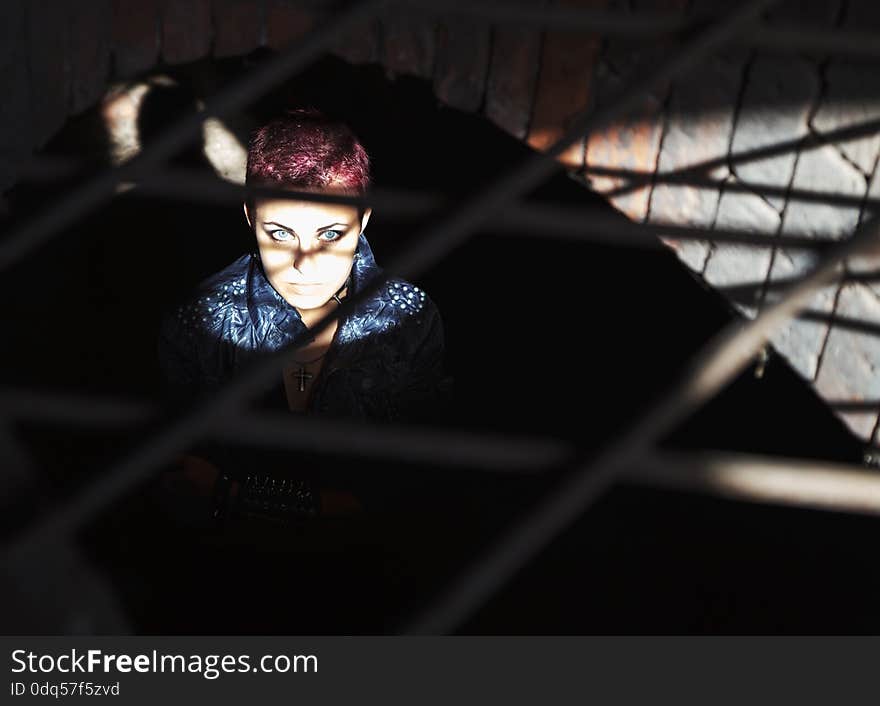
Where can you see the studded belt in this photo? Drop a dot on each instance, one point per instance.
(265, 497)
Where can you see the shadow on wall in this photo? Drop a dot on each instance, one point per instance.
(544, 337)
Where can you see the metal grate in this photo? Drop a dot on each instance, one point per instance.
(634, 451)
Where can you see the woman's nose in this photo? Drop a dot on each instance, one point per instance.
(303, 256)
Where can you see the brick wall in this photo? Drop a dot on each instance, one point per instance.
(742, 142)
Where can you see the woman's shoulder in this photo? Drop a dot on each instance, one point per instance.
(398, 313)
(409, 314)
(210, 301)
(407, 300)
(403, 306)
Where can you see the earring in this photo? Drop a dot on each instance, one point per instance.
(345, 284)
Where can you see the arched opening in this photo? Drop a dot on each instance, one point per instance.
(546, 337)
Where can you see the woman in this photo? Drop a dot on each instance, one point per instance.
(383, 361)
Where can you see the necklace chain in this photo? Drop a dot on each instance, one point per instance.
(302, 376)
(313, 360)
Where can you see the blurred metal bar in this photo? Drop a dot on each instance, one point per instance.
(694, 174)
(194, 186)
(591, 224)
(18, 474)
(692, 179)
(809, 39)
(562, 18)
(787, 481)
(428, 248)
(792, 482)
(75, 410)
(780, 481)
(642, 24)
(79, 202)
(189, 187)
(83, 199)
(481, 451)
(714, 366)
(26, 488)
(522, 218)
(439, 240)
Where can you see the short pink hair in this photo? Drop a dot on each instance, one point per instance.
(306, 150)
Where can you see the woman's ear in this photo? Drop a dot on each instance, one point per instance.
(247, 215)
(365, 218)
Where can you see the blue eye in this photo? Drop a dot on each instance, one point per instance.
(334, 235)
(280, 234)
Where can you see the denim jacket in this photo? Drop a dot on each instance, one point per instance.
(385, 362)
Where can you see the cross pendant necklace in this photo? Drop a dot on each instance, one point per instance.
(302, 376)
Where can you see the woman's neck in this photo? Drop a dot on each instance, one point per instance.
(312, 316)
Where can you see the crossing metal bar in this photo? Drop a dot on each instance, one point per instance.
(694, 174)
(640, 23)
(772, 36)
(480, 451)
(101, 188)
(429, 248)
(795, 482)
(713, 367)
(828, 198)
(76, 410)
(581, 222)
(194, 185)
(802, 483)
(521, 218)
(801, 38)
(439, 240)
(83, 199)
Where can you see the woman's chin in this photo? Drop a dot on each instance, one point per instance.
(306, 302)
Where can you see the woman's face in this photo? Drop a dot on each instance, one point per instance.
(307, 248)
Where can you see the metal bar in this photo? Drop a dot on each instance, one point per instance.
(441, 239)
(189, 187)
(427, 249)
(554, 221)
(642, 24)
(565, 19)
(83, 199)
(827, 198)
(788, 481)
(193, 185)
(95, 191)
(18, 474)
(714, 366)
(581, 222)
(792, 482)
(590, 224)
(744, 292)
(693, 174)
(805, 38)
(437, 447)
(869, 405)
(483, 451)
(75, 410)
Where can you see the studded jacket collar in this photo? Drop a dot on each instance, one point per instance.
(386, 360)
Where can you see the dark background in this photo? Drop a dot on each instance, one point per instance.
(576, 355)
